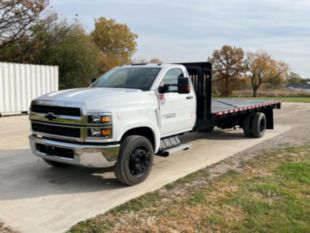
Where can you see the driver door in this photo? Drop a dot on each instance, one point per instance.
(177, 111)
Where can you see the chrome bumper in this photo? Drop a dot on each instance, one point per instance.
(83, 154)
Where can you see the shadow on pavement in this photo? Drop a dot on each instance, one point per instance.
(23, 175)
(217, 134)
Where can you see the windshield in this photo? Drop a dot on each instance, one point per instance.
(128, 77)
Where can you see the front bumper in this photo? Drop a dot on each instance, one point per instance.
(73, 153)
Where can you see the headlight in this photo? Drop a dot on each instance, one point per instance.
(100, 132)
(100, 125)
(104, 118)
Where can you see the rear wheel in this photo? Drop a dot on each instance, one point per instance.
(135, 160)
(55, 164)
(259, 125)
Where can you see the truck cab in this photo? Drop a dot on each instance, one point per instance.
(120, 120)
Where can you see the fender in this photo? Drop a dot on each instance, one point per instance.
(155, 130)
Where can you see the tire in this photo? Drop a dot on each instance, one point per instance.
(259, 125)
(55, 164)
(247, 128)
(135, 160)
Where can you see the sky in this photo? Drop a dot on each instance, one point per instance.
(188, 31)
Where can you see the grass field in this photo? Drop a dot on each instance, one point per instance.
(270, 193)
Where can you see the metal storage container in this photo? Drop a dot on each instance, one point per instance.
(21, 83)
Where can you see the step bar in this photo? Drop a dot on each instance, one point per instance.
(167, 152)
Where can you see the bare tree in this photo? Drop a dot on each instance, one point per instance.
(264, 69)
(16, 19)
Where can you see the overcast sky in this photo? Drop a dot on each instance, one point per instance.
(183, 30)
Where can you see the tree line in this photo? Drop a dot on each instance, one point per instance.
(30, 32)
(231, 66)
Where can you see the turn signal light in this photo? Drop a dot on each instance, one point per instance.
(106, 132)
(105, 119)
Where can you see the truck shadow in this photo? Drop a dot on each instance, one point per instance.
(23, 175)
(217, 134)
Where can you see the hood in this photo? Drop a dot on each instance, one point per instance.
(99, 99)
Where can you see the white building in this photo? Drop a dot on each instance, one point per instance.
(20, 83)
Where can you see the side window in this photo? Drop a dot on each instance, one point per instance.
(170, 80)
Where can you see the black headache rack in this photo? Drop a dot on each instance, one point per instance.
(201, 76)
(223, 113)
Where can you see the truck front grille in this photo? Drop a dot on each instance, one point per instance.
(68, 111)
(57, 130)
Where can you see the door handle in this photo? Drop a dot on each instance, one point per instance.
(189, 97)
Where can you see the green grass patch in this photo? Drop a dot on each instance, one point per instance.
(270, 194)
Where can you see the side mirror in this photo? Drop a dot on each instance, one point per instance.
(163, 89)
(93, 80)
(183, 86)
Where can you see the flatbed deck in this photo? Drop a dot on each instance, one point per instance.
(221, 107)
(227, 113)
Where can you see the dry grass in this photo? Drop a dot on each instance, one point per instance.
(269, 194)
(5, 229)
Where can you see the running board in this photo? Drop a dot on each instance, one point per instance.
(167, 152)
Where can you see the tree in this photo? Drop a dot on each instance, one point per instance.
(16, 19)
(23, 51)
(69, 47)
(294, 78)
(155, 60)
(115, 41)
(263, 69)
(140, 60)
(20, 45)
(228, 65)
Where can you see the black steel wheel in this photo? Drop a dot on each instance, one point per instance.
(134, 160)
(139, 161)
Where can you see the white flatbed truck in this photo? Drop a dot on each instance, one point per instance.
(134, 112)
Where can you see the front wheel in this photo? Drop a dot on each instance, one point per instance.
(134, 160)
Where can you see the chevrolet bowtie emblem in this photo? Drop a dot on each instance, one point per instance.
(50, 116)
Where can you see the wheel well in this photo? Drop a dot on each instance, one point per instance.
(142, 131)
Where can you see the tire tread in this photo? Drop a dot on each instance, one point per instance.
(119, 170)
